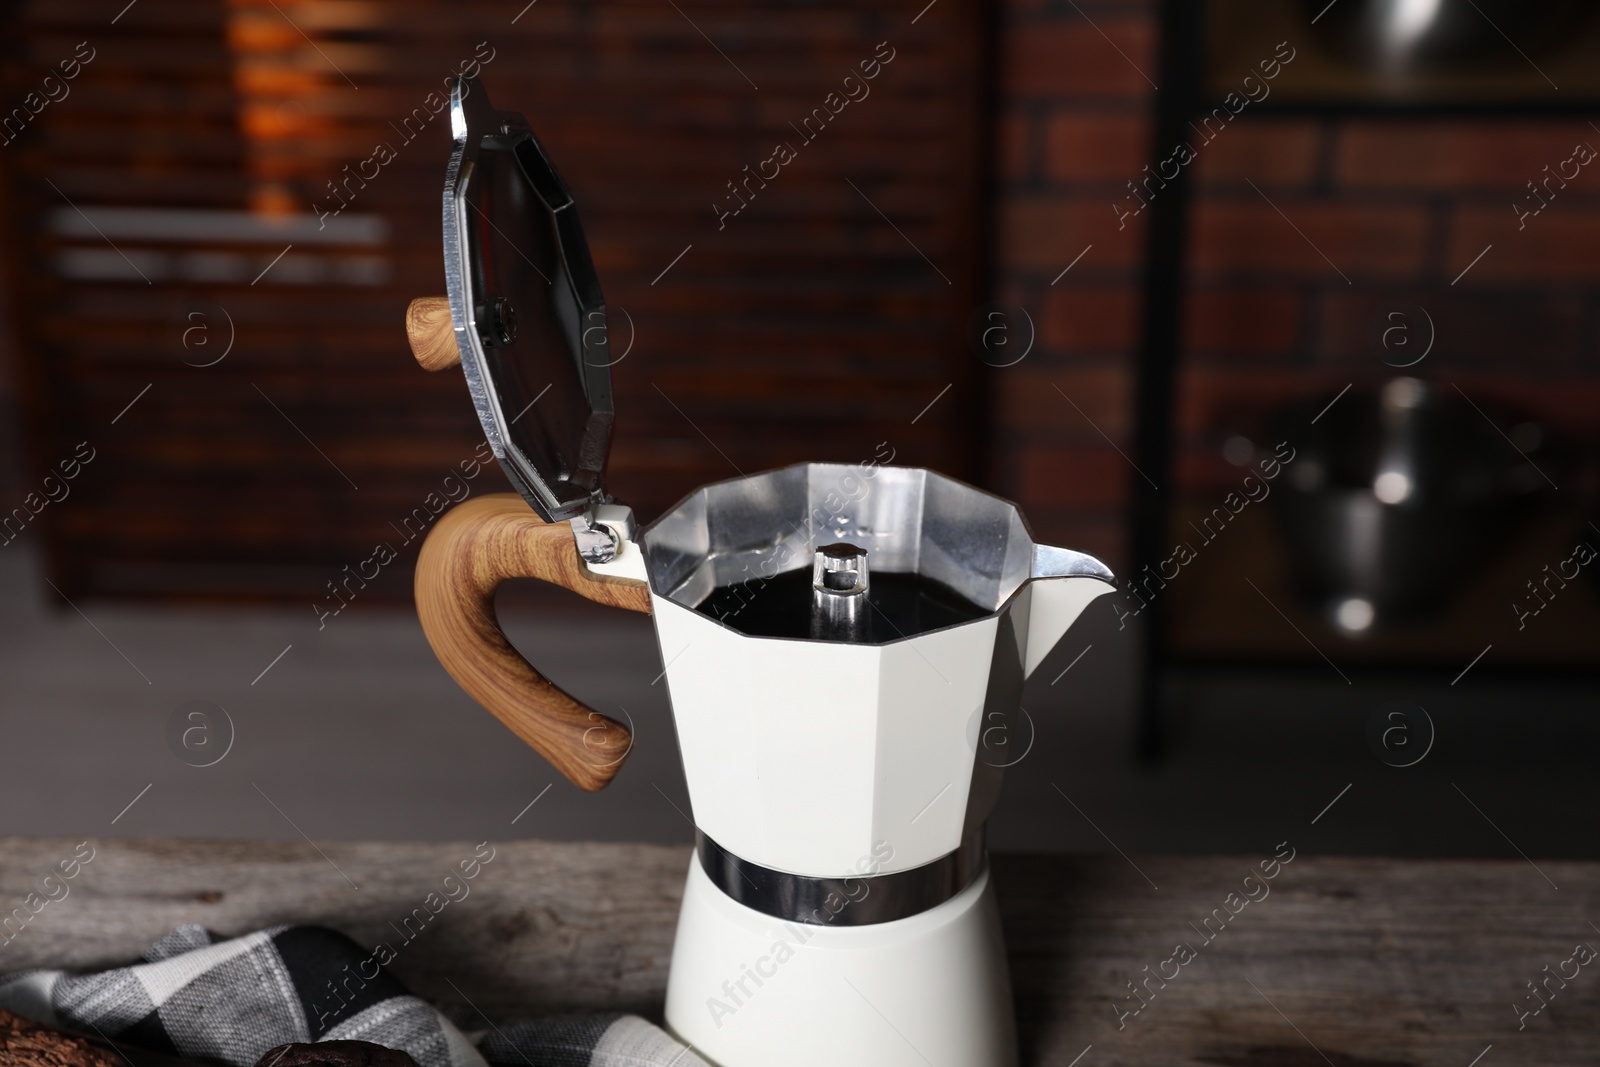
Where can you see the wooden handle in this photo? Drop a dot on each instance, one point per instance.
(471, 550)
(432, 336)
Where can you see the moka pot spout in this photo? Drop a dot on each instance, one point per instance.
(1061, 584)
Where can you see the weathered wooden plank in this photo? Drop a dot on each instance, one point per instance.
(1344, 961)
(544, 928)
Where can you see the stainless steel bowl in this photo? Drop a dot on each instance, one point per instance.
(1394, 495)
(1423, 36)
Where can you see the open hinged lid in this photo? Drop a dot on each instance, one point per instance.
(526, 306)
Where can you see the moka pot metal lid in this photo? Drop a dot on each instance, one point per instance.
(526, 305)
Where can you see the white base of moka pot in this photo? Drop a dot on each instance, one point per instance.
(750, 990)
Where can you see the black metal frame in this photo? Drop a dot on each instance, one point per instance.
(1166, 242)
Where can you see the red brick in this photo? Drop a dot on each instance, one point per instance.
(1046, 233)
(1096, 147)
(1013, 291)
(1199, 469)
(1096, 318)
(1252, 322)
(1073, 58)
(1461, 154)
(1035, 401)
(1540, 330)
(1566, 407)
(1275, 152)
(1359, 240)
(1048, 476)
(1556, 245)
(1215, 403)
(1014, 137)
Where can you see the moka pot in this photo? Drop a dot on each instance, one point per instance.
(841, 758)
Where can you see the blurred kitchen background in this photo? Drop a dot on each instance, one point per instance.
(1377, 251)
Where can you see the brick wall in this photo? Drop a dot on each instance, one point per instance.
(1399, 206)
(1073, 128)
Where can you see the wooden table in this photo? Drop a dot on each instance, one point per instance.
(1346, 962)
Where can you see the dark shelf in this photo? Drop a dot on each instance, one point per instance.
(1207, 48)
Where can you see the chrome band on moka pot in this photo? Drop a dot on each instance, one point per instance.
(860, 899)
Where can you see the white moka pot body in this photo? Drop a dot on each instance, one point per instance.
(833, 760)
(809, 756)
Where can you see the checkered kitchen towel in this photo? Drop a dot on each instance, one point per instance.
(228, 1002)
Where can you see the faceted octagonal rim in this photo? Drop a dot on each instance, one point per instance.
(1008, 562)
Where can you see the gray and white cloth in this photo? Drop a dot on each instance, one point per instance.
(227, 1002)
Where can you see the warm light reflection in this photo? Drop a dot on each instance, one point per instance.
(286, 92)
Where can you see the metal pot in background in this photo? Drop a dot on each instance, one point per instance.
(1406, 37)
(1394, 494)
